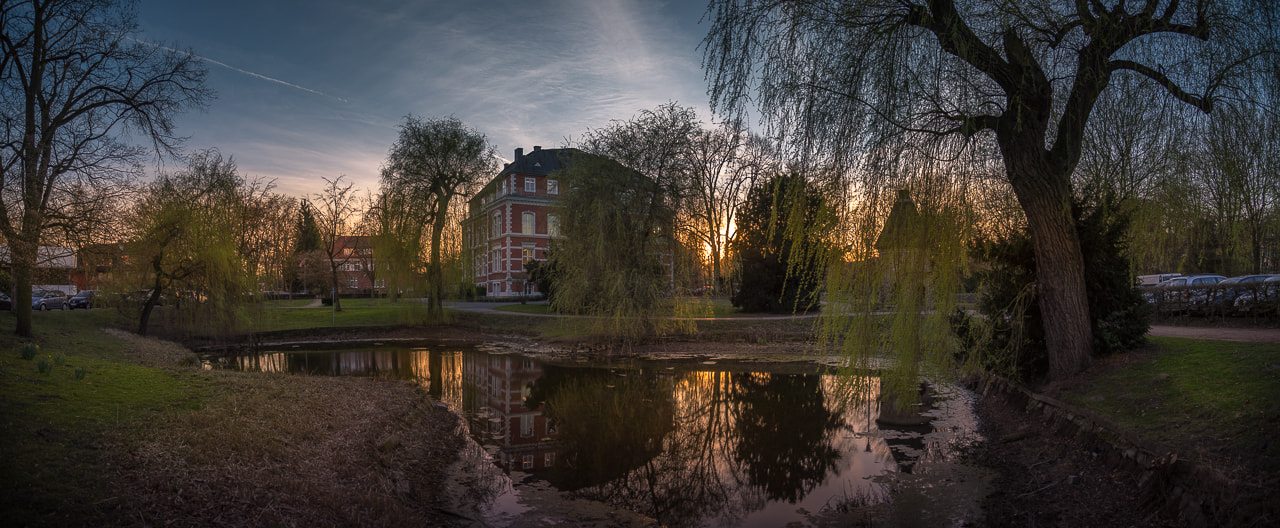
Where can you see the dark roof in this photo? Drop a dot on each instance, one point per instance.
(902, 224)
(540, 162)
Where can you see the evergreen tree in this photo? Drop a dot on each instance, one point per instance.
(777, 244)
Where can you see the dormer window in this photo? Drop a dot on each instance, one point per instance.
(530, 185)
(553, 186)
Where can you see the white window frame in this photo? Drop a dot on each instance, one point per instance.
(528, 223)
(553, 225)
(553, 186)
(530, 185)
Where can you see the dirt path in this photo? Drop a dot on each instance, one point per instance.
(1252, 335)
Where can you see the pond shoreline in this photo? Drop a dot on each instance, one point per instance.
(1054, 477)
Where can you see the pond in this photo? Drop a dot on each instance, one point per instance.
(691, 442)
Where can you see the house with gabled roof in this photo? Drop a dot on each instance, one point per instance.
(512, 220)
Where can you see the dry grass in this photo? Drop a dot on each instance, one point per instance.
(281, 450)
(284, 450)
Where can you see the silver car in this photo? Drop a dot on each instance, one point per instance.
(45, 300)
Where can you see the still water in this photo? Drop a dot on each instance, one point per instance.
(692, 442)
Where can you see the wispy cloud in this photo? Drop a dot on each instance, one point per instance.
(239, 70)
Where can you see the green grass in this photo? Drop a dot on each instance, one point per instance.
(1193, 395)
(355, 312)
(53, 432)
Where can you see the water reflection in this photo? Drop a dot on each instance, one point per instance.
(687, 444)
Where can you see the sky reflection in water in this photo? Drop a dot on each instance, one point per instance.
(687, 443)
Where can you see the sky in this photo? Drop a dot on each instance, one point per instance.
(316, 89)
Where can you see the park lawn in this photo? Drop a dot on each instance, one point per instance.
(56, 426)
(1218, 400)
(355, 312)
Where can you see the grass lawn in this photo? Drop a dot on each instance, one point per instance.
(1200, 398)
(55, 425)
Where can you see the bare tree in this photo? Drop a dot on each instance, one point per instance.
(431, 163)
(335, 208)
(723, 163)
(71, 77)
(841, 76)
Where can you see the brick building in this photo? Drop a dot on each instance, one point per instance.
(513, 220)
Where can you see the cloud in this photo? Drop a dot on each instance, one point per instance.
(235, 69)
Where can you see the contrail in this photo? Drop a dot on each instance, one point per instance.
(240, 70)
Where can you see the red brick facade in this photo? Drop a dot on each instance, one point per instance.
(513, 220)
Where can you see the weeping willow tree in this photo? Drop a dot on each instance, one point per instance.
(432, 162)
(185, 250)
(399, 226)
(614, 261)
(1022, 77)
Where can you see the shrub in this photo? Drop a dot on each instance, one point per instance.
(81, 372)
(59, 359)
(29, 351)
(45, 366)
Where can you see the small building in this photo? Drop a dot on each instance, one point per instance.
(512, 220)
(357, 268)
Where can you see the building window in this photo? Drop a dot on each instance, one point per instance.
(553, 186)
(526, 426)
(526, 254)
(526, 223)
(353, 284)
(530, 185)
(549, 460)
(497, 224)
(528, 462)
(553, 225)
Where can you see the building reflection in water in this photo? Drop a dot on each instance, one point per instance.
(688, 444)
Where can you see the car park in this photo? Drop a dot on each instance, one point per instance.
(1185, 294)
(84, 299)
(1261, 298)
(45, 300)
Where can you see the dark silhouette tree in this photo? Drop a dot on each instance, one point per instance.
(72, 76)
(844, 78)
(777, 246)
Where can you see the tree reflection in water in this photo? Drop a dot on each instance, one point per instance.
(692, 447)
(689, 445)
(784, 433)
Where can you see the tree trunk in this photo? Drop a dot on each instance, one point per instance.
(1045, 195)
(23, 257)
(435, 271)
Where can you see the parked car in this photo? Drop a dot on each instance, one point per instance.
(1224, 295)
(6, 303)
(1260, 298)
(1190, 293)
(85, 299)
(1153, 280)
(45, 300)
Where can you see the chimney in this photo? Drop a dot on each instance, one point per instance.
(520, 153)
(536, 148)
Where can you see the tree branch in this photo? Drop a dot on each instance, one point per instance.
(1204, 103)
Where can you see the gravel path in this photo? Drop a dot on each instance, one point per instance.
(1252, 335)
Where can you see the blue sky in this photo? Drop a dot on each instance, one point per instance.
(312, 89)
